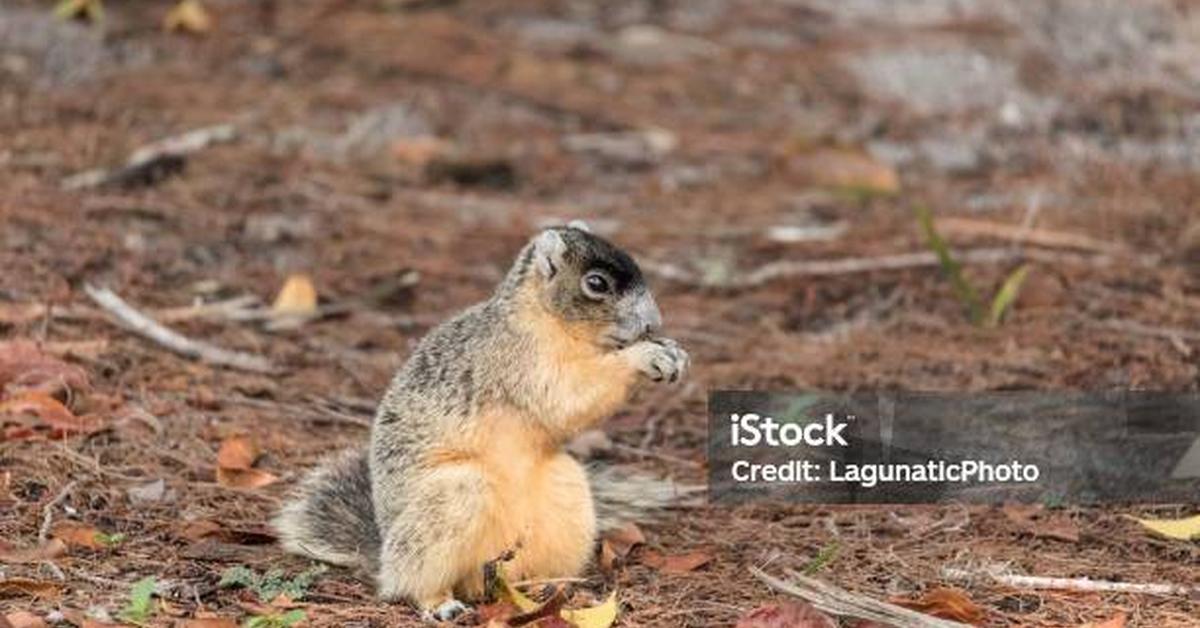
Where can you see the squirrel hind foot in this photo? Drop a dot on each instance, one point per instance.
(448, 610)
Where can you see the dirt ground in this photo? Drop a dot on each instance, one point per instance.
(400, 152)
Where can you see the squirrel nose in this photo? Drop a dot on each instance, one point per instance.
(648, 315)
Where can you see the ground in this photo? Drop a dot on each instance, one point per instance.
(399, 153)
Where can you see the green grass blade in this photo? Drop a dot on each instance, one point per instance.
(952, 269)
(1006, 295)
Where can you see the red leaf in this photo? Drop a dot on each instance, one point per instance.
(237, 452)
(25, 367)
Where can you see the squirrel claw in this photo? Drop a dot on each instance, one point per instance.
(663, 360)
(446, 611)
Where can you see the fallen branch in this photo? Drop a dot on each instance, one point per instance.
(148, 328)
(1153, 331)
(153, 161)
(852, 265)
(1022, 234)
(1070, 584)
(48, 511)
(837, 601)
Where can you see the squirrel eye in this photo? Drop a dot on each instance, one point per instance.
(595, 284)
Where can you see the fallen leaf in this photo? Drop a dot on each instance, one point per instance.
(245, 478)
(677, 563)
(602, 615)
(1117, 621)
(297, 297)
(206, 529)
(33, 588)
(79, 535)
(188, 16)
(1035, 520)
(87, 10)
(846, 169)
(609, 561)
(786, 615)
(24, 619)
(207, 622)
(237, 452)
(1184, 529)
(945, 603)
(50, 412)
(419, 151)
(26, 367)
(49, 550)
(623, 539)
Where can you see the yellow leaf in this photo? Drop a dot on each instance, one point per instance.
(600, 616)
(1183, 529)
(188, 16)
(516, 597)
(88, 10)
(298, 296)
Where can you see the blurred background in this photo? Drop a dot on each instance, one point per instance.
(834, 194)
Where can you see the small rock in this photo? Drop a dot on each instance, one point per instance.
(150, 493)
(646, 44)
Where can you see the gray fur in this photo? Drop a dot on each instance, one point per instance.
(360, 508)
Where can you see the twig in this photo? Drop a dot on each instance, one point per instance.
(1141, 329)
(1071, 584)
(48, 511)
(648, 453)
(148, 328)
(831, 599)
(158, 154)
(852, 265)
(1022, 234)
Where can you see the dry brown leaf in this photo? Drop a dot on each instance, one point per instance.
(786, 615)
(840, 168)
(245, 478)
(78, 535)
(624, 539)
(1035, 520)
(237, 452)
(677, 563)
(207, 622)
(49, 413)
(297, 297)
(49, 550)
(188, 16)
(34, 588)
(419, 151)
(946, 603)
(206, 529)
(26, 367)
(609, 561)
(24, 619)
(1117, 621)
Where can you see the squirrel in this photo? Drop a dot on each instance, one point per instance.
(466, 456)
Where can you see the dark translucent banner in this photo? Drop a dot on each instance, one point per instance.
(1079, 448)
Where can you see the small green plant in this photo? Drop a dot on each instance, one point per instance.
(823, 557)
(281, 620)
(110, 540)
(966, 294)
(273, 583)
(141, 602)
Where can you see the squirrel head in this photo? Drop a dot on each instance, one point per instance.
(590, 284)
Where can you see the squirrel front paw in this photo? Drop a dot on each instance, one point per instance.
(661, 359)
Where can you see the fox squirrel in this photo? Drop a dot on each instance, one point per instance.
(466, 456)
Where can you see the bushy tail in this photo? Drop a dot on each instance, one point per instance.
(622, 496)
(331, 517)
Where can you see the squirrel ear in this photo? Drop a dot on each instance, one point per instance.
(548, 250)
(580, 225)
